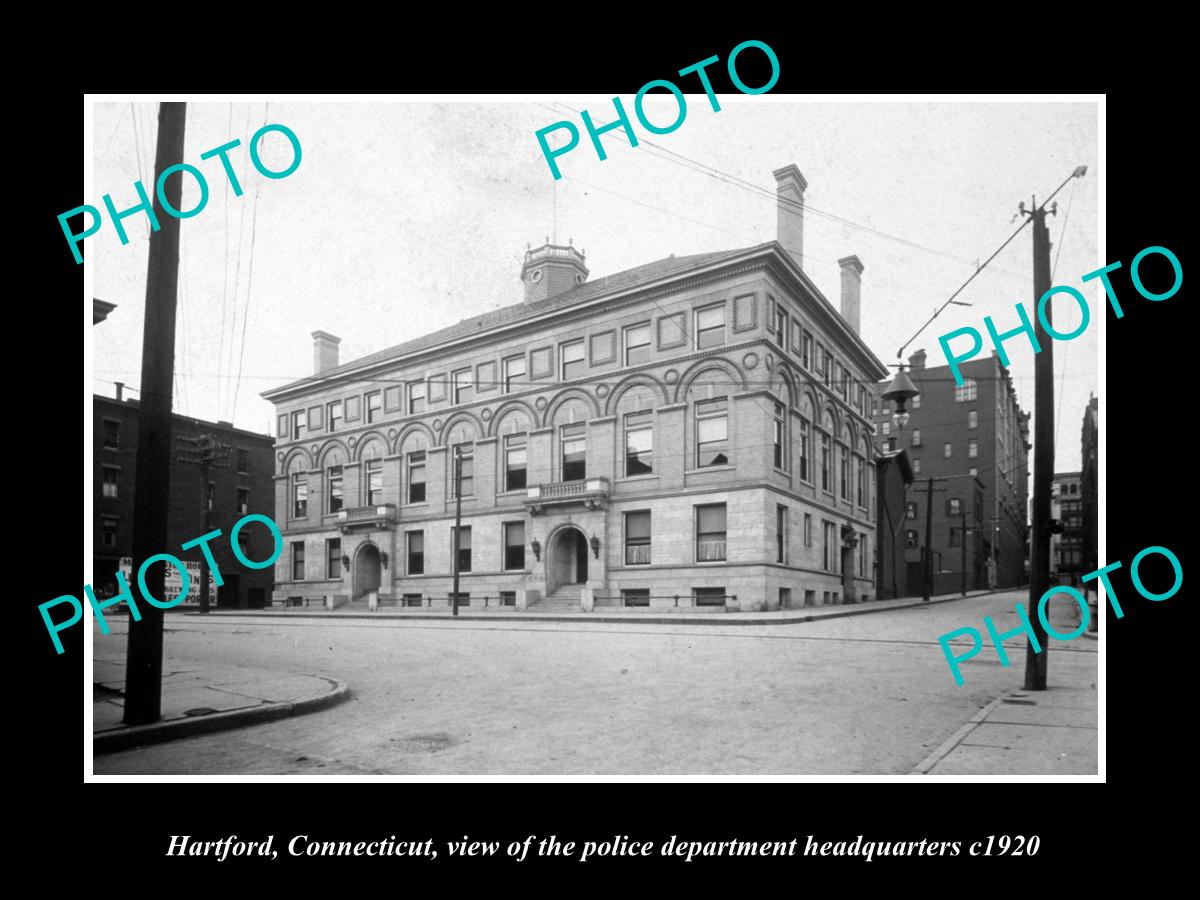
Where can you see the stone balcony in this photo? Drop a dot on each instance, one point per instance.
(382, 515)
(590, 492)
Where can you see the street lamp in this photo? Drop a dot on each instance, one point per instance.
(900, 391)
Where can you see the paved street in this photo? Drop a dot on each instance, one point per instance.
(867, 694)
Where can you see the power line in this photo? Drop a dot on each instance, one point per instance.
(225, 273)
(249, 280)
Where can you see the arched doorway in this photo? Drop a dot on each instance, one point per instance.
(568, 558)
(367, 571)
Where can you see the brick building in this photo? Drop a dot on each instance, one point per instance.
(1067, 556)
(894, 479)
(973, 440)
(245, 486)
(697, 426)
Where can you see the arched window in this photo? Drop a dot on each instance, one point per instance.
(708, 402)
(826, 438)
(844, 464)
(371, 455)
(461, 463)
(806, 418)
(570, 425)
(413, 450)
(513, 431)
(334, 463)
(635, 416)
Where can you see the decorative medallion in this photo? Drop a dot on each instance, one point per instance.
(279, 456)
(770, 360)
(487, 415)
(437, 424)
(540, 403)
(352, 442)
(671, 377)
(602, 390)
(391, 434)
(316, 448)
(750, 360)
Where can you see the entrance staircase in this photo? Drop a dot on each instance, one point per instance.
(564, 598)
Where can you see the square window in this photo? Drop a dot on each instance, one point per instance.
(635, 597)
(463, 386)
(514, 373)
(637, 344)
(112, 434)
(710, 327)
(110, 477)
(572, 356)
(708, 596)
(710, 533)
(637, 538)
(108, 532)
(334, 415)
(416, 398)
(243, 461)
(374, 402)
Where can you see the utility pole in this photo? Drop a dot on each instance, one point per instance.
(963, 515)
(1036, 664)
(928, 541)
(152, 479)
(457, 520)
(208, 453)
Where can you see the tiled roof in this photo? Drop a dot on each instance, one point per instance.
(672, 265)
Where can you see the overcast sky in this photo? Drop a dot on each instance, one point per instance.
(404, 217)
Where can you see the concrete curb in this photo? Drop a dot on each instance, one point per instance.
(955, 739)
(854, 609)
(158, 732)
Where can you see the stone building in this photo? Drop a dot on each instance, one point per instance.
(973, 440)
(694, 431)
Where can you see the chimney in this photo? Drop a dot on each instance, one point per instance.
(851, 290)
(120, 390)
(916, 362)
(789, 193)
(325, 351)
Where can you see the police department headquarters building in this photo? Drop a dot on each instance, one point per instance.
(696, 431)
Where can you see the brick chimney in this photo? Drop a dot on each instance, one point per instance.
(789, 229)
(852, 268)
(916, 362)
(325, 351)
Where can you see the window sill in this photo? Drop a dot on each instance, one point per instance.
(423, 503)
(650, 477)
(703, 469)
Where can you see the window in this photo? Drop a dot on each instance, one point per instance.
(572, 355)
(808, 529)
(637, 344)
(335, 488)
(910, 509)
(973, 448)
(416, 477)
(635, 597)
(860, 469)
(333, 558)
(110, 476)
(862, 554)
(885, 428)
(955, 537)
(826, 475)
(810, 598)
(829, 546)
(464, 456)
(916, 467)
(708, 596)
(298, 561)
(953, 506)
(910, 539)
(416, 552)
(108, 530)
(781, 534)
(947, 449)
(806, 355)
(780, 449)
(712, 433)
(826, 366)
(374, 485)
(514, 545)
(464, 547)
(210, 496)
(637, 538)
(574, 452)
(916, 402)
(844, 471)
(966, 391)
(916, 440)
(515, 460)
(298, 425)
(971, 471)
(508, 598)
(299, 495)
(416, 398)
(514, 372)
(710, 533)
(374, 407)
(112, 434)
(804, 436)
(973, 419)
(639, 443)
(710, 327)
(462, 386)
(334, 415)
(781, 321)
(243, 502)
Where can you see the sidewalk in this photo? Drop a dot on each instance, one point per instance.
(657, 616)
(199, 698)
(1050, 732)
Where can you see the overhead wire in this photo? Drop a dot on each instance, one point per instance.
(249, 280)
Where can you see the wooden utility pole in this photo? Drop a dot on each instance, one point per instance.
(457, 521)
(152, 479)
(1036, 664)
(963, 536)
(928, 571)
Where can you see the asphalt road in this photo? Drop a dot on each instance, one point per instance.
(867, 694)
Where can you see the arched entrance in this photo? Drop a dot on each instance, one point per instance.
(367, 570)
(568, 558)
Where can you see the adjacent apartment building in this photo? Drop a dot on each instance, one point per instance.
(693, 431)
(243, 484)
(973, 440)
